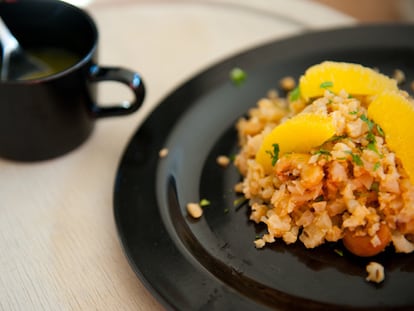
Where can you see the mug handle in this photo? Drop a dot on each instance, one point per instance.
(122, 75)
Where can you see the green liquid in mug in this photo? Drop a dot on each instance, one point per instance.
(54, 60)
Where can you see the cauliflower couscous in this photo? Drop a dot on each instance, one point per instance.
(351, 187)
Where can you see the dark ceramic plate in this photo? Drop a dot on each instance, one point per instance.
(212, 264)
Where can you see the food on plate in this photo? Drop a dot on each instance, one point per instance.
(375, 272)
(223, 160)
(287, 83)
(238, 76)
(397, 124)
(332, 161)
(194, 210)
(310, 130)
(335, 76)
(399, 76)
(163, 152)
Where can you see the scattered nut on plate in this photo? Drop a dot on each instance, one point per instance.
(223, 160)
(195, 210)
(163, 152)
(375, 272)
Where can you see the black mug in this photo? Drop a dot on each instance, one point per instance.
(42, 118)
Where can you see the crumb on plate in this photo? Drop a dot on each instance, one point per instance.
(287, 83)
(375, 272)
(399, 76)
(163, 152)
(195, 210)
(223, 160)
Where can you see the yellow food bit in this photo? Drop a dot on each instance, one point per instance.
(337, 76)
(394, 113)
(298, 134)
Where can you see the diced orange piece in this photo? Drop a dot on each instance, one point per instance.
(298, 134)
(336, 76)
(394, 113)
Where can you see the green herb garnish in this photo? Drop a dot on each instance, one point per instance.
(323, 151)
(326, 84)
(376, 166)
(379, 130)
(367, 121)
(371, 138)
(320, 198)
(375, 186)
(238, 76)
(204, 202)
(239, 201)
(336, 138)
(353, 112)
(355, 158)
(371, 146)
(275, 154)
(295, 94)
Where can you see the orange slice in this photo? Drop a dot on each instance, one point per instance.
(298, 134)
(395, 114)
(337, 76)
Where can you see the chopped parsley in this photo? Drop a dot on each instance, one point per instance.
(326, 84)
(367, 121)
(238, 76)
(323, 151)
(239, 201)
(275, 154)
(380, 131)
(371, 136)
(336, 138)
(295, 94)
(353, 112)
(376, 166)
(375, 186)
(355, 158)
(371, 142)
(204, 202)
(371, 146)
(339, 252)
(320, 198)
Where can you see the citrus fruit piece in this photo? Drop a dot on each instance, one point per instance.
(298, 134)
(394, 113)
(336, 76)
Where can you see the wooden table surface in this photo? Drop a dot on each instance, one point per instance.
(58, 241)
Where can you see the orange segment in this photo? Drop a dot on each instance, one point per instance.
(337, 76)
(298, 134)
(395, 114)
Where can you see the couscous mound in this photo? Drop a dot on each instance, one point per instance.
(350, 187)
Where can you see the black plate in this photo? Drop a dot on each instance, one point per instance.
(212, 264)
